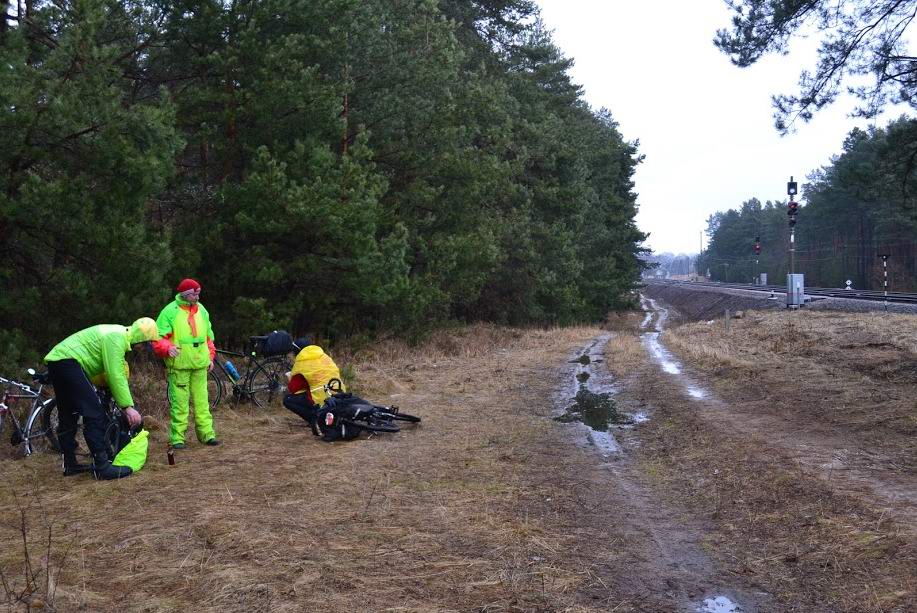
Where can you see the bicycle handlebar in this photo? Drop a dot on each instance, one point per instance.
(334, 386)
(24, 387)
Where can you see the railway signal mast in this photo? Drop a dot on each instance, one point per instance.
(795, 285)
(757, 253)
(792, 210)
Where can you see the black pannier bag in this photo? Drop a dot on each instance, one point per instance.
(278, 342)
(327, 420)
(336, 418)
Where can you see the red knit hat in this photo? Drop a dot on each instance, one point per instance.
(187, 284)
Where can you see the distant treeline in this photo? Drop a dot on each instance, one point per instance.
(861, 206)
(343, 167)
(669, 264)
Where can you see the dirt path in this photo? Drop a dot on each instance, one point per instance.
(664, 553)
(773, 504)
(838, 458)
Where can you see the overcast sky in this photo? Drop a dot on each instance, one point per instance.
(705, 126)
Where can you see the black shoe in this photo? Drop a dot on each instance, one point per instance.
(76, 469)
(72, 467)
(214, 442)
(108, 471)
(178, 446)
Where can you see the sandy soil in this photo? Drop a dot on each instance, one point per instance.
(488, 505)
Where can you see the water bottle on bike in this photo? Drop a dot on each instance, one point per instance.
(232, 372)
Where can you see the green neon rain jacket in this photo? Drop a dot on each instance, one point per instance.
(187, 326)
(100, 350)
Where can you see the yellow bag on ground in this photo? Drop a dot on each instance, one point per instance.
(134, 453)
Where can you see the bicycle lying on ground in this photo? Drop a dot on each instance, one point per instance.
(362, 415)
(39, 432)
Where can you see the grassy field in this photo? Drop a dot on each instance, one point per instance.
(470, 510)
(793, 483)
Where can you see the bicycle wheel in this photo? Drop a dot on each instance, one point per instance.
(386, 413)
(267, 381)
(117, 421)
(41, 429)
(373, 425)
(214, 388)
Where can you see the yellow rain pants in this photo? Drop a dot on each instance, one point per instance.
(182, 384)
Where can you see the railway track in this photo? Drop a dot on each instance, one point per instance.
(827, 292)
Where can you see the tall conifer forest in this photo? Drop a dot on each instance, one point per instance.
(334, 167)
(859, 207)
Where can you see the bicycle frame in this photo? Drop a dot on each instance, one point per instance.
(221, 365)
(245, 388)
(23, 430)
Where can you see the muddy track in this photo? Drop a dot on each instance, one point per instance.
(838, 459)
(774, 514)
(663, 550)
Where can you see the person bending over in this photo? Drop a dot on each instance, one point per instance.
(311, 372)
(90, 354)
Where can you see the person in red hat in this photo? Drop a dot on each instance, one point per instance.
(188, 350)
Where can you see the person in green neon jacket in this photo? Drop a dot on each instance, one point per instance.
(188, 350)
(79, 358)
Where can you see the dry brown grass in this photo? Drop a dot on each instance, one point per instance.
(624, 354)
(853, 371)
(472, 510)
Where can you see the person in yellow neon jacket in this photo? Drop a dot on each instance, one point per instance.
(93, 354)
(188, 350)
(312, 370)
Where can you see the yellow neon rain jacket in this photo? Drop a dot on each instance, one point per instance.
(318, 369)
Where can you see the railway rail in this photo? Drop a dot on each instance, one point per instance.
(826, 292)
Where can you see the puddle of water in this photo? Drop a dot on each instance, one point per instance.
(696, 392)
(597, 411)
(589, 382)
(661, 354)
(646, 320)
(719, 604)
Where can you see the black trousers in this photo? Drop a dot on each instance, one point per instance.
(299, 404)
(76, 396)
